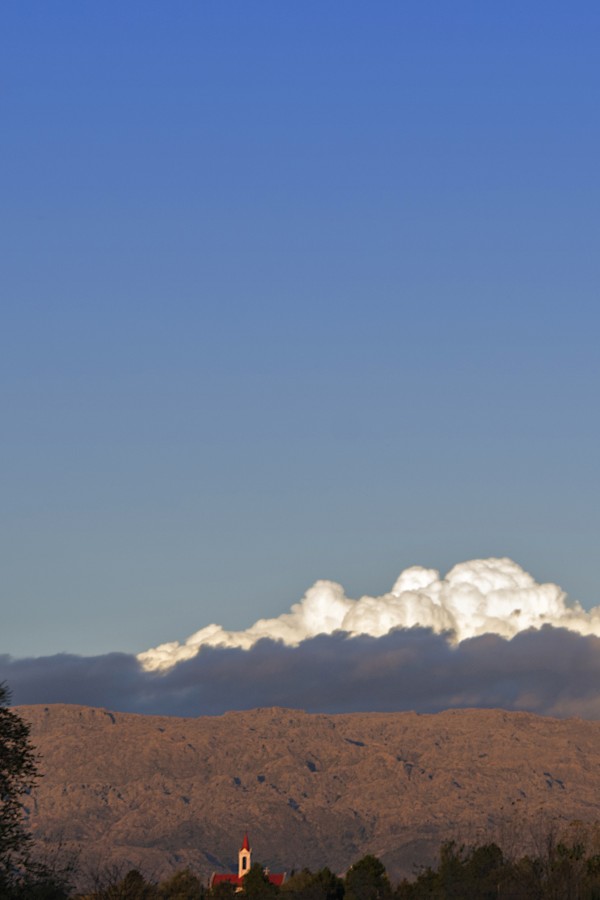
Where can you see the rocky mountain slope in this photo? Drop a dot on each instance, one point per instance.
(160, 793)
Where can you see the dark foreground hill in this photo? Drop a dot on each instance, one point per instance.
(160, 793)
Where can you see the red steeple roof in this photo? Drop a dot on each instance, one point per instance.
(245, 844)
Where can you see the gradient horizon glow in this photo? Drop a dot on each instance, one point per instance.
(291, 292)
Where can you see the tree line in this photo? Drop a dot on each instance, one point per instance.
(567, 869)
(561, 872)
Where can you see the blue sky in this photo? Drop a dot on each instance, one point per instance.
(291, 291)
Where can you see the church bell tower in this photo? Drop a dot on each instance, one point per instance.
(244, 857)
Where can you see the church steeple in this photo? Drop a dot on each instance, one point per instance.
(244, 857)
(244, 866)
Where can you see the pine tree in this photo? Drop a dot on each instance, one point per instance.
(18, 773)
(22, 877)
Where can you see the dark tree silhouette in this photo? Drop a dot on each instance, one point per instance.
(17, 777)
(21, 876)
(256, 883)
(182, 885)
(367, 880)
(321, 885)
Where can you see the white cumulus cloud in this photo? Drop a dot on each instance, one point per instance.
(478, 597)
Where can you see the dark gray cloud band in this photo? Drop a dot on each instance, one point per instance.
(551, 671)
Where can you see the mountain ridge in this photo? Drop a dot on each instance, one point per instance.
(159, 793)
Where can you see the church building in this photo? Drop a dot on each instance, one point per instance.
(244, 865)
